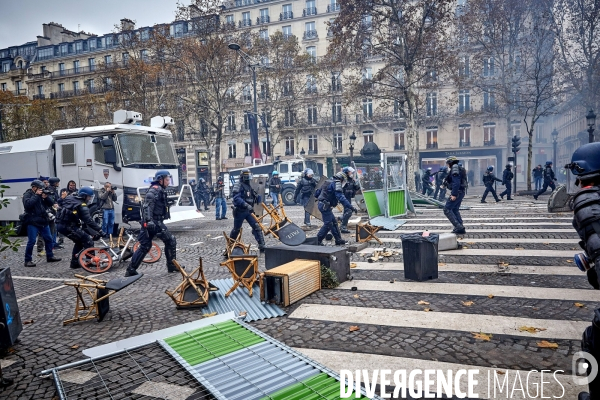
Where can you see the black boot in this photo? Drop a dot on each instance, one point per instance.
(130, 272)
(584, 396)
(459, 230)
(344, 229)
(341, 242)
(75, 263)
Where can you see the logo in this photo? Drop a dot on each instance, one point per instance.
(106, 172)
(581, 364)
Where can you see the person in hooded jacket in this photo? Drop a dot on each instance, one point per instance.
(304, 189)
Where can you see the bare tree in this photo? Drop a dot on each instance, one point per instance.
(23, 118)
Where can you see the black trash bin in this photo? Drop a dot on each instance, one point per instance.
(420, 256)
(10, 318)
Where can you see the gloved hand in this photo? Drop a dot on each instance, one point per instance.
(355, 210)
(97, 236)
(249, 207)
(149, 225)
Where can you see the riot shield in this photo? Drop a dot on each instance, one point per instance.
(560, 200)
(312, 205)
(258, 184)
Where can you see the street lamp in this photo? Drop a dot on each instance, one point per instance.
(554, 143)
(252, 64)
(352, 140)
(591, 121)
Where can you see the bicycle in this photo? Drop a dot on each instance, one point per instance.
(100, 259)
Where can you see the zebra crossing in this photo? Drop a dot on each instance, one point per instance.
(531, 297)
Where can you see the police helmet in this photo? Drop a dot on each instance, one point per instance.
(509, 166)
(341, 176)
(202, 180)
(37, 183)
(220, 179)
(490, 168)
(451, 160)
(86, 191)
(585, 160)
(548, 163)
(43, 178)
(192, 181)
(349, 171)
(246, 175)
(163, 173)
(275, 172)
(54, 180)
(309, 172)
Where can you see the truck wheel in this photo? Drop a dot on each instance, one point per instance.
(287, 196)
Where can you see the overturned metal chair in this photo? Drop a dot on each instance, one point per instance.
(365, 232)
(244, 271)
(97, 292)
(194, 289)
(280, 227)
(235, 246)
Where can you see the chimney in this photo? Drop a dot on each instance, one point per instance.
(127, 25)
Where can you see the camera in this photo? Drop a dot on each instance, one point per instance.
(47, 192)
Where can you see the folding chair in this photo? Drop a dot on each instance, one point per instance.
(281, 227)
(244, 271)
(194, 289)
(365, 232)
(97, 291)
(235, 246)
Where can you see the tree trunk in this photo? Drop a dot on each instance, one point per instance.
(217, 153)
(412, 142)
(529, 155)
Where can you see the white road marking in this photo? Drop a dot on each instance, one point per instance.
(40, 293)
(509, 230)
(196, 244)
(491, 252)
(499, 224)
(500, 240)
(33, 278)
(478, 268)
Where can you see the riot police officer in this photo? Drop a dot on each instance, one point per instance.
(155, 210)
(202, 194)
(328, 196)
(457, 182)
(507, 177)
(488, 180)
(440, 176)
(427, 189)
(585, 164)
(244, 199)
(304, 189)
(549, 179)
(350, 190)
(76, 223)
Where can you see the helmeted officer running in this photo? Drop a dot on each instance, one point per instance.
(350, 190)
(440, 176)
(488, 180)
(549, 179)
(456, 181)
(76, 223)
(304, 189)
(244, 199)
(426, 182)
(585, 164)
(507, 177)
(154, 211)
(328, 196)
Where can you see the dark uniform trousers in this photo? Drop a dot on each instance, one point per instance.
(508, 190)
(489, 189)
(452, 209)
(239, 216)
(145, 238)
(329, 224)
(79, 237)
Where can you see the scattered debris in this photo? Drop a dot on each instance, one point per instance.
(427, 309)
(356, 296)
(423, 303)
(354, 288)
(75, 346)
(569, 261)
(27, 322)
(482, 336)
(467, 303)
(531, 329)
(242, 313)
(580, 305)
(353, 265)
(354, 328)
(544, 344)
(334, 298)
(212, 314)
(490, 296)
(519, 248)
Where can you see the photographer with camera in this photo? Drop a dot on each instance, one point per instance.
(107, 198)
(36, 202)
(585, 165)
(52, 196)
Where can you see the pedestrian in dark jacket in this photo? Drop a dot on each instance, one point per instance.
(538, 176)
(36, 204)
(507, 177)
(275, 188)
(549, 179)
(304, 189)
(220, 201)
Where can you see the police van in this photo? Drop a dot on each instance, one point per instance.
(125, 154)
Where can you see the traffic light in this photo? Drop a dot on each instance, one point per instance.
(516, 142)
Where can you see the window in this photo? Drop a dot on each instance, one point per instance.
(488, 67)
(311, 84)
(61, 87)
(99, 153)
(44, 54)
(231, 121)
(263, 34)
(78, 47)
(489, 100)
(431, 132)
(6, 66)
(76, 66)
(264, 16)
(311, 8)
(289, 117)
(368, 136)
(367, 74)
(107, 83)
(264, 91)
(229, 21)
(367, 105)
(75, 86)
(247, 93)
(312, 115)
(92, 64)
(246, 19)
(464, 101)
(312, 144)
(515, 128)
(312, 52)
(539, 133)
(310, 30)
(90, 85)
(247, 149)
(144, 55)
(3, 87)
(40, 90)
(232, 150)
(333, 6)
(125, 58)
(398, 109)
(432, 74)
(246, 121)
(68, 153)
(287, 88)
(431, 104)
(398, 139)
(464, 134)
(289, 149)
(287, 31)
(489, 134)
(286, 12)
(336, 82)
(337, 143)
(145, 34)
(107, 60)
(19, 85)
(336, 112)
(463, 67)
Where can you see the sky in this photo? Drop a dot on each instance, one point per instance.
(22, 19)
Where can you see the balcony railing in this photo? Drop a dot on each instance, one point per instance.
(313, 151)
(80, 92)
(39, 96)
(398, 147)
(491, 142)
(286, 15)
(309, 11)
(264, 19)
(333, 7)
(74, 71)
(245, 22)
(20, 92)
(230, 128)
(432, 145)
(464, 144)
(310, 90)
(310, 35)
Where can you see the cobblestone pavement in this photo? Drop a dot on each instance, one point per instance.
(45, 302)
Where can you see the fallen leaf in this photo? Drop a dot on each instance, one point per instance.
(243, 313)
(387, 254)
(470, 242)
(75, 346)
(354, 328)
(579, 305)
(441, 264)
(423, 303)
(459, 238)
(482, 336)
(465, 247)
(427, 309)
(535, 308)
(356, 296)
(546, 244)
(544, 344)
(569, 261)
(531, 329)
(334, 298)
(27, 322)
(519, 248)
(504, 264)
(500, 372)
(212, 314)
(490, 296)
(392, 280)
(209, 235)
(353, 265)
(467, 303)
